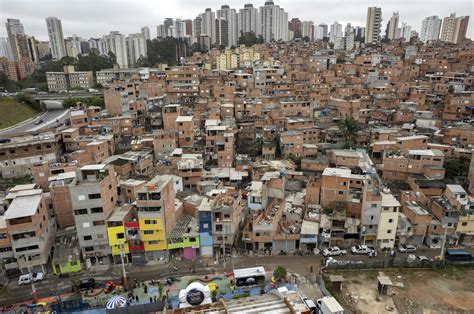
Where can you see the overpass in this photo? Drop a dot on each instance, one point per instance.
(64, 96)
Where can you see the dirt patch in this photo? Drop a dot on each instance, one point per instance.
(423, 291)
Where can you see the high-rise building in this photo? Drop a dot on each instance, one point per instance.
(100, 44)
(116, 44)
(359, 33)
(373, 24)
(146, 33)
(248, 20)
(348, 37)
(296, 27)
(189, 27)
(25, 48)
(168, 23)
(392, 26)
(430, 28)
(208, 26)
(231, 16)
(460, 29)
(308, 30)
(136, 48)
(14, 27)
(335, 32)
(56, 38)
(178, 30)
(197, 27)
(43, 49)
(6, 49)
(274, 22)
(405, 32)
(222, 32)
(160, 31)
(73, 46)
(321, 31)
(449, 25)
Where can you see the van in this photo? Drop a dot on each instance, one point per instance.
(311, 305)
(458, 256)
(24, 279)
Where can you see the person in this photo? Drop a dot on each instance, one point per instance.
(151, 299)
(370, 254)
(136, 298)
(154, 298)
(375, 253)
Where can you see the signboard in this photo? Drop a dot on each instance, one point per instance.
(195, 297)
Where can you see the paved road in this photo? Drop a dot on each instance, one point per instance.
(49, 118)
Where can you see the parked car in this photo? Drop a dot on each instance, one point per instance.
(86, 284)
(109, 286)
(333, 251)
(29, 278)
(361, 249)
(403, 248)
(39, 121)
(424, 259)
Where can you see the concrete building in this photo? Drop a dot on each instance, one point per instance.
(93, 198)
(43, 49)
(430, 28)
(56, 38)
(232, 24)
(68, 79)
(160, 31)
(116, 43)
(30, 227)
(308, 30)
(405, 32)
(335, 32)
(393, 26)
(321, 31)
(197, 27)
(274, 22)
(296, 27)
(388, 221)
(145, 31)
(14, 27)
(449, 27)
(136, 48)
(208, 26)
(222, 32)
(248, 20)
(6, 48)
(373, 24)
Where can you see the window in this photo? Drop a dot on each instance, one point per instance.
(374, 205)
(148, 231)
(87, 238)
(341, 192)
(120, 235)
(86, 225)
(192, 239)
(95, 210)
(464, 223)
(100, 236)
(73, 263)
(89, 249)
(150, 222)
(390, 221)
(218, 227)
(98, 223)
(153, 242)
(94, 196)
(82, 211)
(205, 226)
(389, 231)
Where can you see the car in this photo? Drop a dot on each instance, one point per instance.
(403, 248)
(334, 251)
(39, 121)
(361, 249)
(86, 284)
(109, 286)
(424, 259)
(29, 278)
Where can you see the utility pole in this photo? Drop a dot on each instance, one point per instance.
(124, 274)
(223, 250)
(444, 242)
(33, 288)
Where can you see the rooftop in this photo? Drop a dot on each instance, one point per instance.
(25, 204)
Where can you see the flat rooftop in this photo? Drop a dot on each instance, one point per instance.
(25, 204)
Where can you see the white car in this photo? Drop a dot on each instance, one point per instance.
(403, 248)
(334, 251)
(28, 278)
(361, 249)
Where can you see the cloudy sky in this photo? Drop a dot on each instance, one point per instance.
(94, 18)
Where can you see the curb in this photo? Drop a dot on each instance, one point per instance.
(22, 122)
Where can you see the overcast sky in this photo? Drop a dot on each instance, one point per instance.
(94, 18)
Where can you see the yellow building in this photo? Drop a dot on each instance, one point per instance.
(116, 229)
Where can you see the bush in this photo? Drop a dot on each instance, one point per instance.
(91, 101)
(28, 100)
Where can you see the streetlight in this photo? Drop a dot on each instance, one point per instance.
(444, 242)
(124, 274)
(33, 288)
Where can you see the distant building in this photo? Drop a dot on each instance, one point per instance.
(274, 22)
(430, 28)
(56, 38)
(14, 27)
(69, 78)
(248, 20)
(146, 33)
(116, 44)
(373, 24)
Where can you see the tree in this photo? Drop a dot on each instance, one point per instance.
(91, 101)
(249, 39)
(279, 273)
(456, 167)
(306, 39)
(94, 62)
(349, 128)
(162, 50)
(143, 62)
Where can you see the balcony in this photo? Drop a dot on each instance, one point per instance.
(136, 246)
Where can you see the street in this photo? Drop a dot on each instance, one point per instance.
(49, 119)
(52, 285)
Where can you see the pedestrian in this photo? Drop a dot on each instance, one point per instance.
(136, 298)
(370, 254)
(375, 253)
(151, 299)
(154, 298)
(145, 289)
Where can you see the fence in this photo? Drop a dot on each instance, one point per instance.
(395, 263)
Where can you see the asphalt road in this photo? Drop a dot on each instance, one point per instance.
(49, 120)
(302, 265)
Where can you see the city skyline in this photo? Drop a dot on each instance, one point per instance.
(77, 19)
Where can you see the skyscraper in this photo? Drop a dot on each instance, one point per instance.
(461, 29)
(296, 27)
(231, 16)
(274, 22)
(168, 23)
(248, 20)
(14, 27)
(454, 28)
(373, 24)
(136, 47)
(197, 27)
(146, 32)
(222, 32)
(430, 28)
(116, 44)
(209, 24)
(308, 30)
(405, 32)
(321, 31)
(56, 38)
(160, 31)
(393, 26)
(6, 49)
(349, 37)
(335, 32)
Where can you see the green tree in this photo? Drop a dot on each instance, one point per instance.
(162, 50)
(94, 62)
(306, 39)
(249, 39)
(349, 128)
(27, 99)
(279, 273)
(456, 167)
(143, 62)
(91, 101)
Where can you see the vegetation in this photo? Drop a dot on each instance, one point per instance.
(13, 111)
(91, 101)
(349, 128)
(296, 160)
(249, 39)
(161, 50)
(456, 167)
(279, 273)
